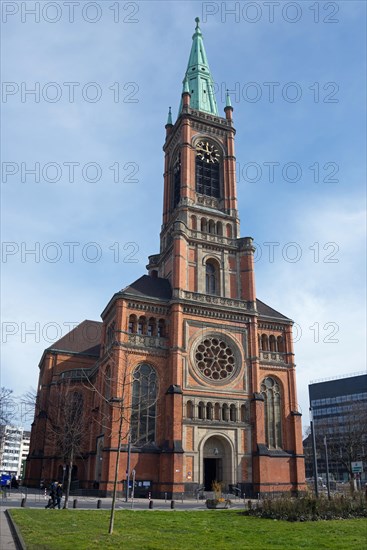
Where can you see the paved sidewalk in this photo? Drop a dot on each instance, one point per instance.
(6, 538)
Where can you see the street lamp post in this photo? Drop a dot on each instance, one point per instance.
(63, 475)
(128, 469)
(315, 474)
(327, 469)
(133, 488)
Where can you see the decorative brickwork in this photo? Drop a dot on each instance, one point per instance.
(219, 360)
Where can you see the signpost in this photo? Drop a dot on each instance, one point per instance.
(357, 467)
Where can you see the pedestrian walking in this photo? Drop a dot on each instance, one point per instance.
(59, 495)
(52, 500)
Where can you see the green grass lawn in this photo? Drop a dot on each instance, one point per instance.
(212, 529)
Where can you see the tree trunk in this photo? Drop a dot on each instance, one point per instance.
(112, 516)
(68, 484)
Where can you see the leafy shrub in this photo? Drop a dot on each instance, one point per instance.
(309, 508)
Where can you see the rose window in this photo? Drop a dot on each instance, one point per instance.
(215, 359)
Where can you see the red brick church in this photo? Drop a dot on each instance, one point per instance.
(203, 371)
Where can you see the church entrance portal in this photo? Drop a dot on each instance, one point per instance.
(212, 472)
(217, 462)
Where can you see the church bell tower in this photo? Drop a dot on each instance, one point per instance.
(204, 369)
(232, 358)
(200, 246)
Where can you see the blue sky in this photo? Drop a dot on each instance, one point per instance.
(313, 209)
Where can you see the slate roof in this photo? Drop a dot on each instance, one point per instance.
(85, 338)
(267, 311)
(152, 287)
(157, 287)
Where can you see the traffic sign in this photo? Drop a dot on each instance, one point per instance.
(357, 467)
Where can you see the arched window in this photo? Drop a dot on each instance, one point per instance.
(225, 412)
(201, 411)
(243, 413)
(280, 343)
(72, 410)
(209, 411)
(193, 223)
(211, 228)
(270, 390)
(132, 324)
(272, 343)
(211, 278)
(142, 325)
(264, 342)
(233, 413)
(107, 391)
(151, 327)
(219, 228)
(177, 181)
(207, 169)
(161, 331)
(143, 415)
(203, 225)
(189, 410)
(110, 338)
(217, 411)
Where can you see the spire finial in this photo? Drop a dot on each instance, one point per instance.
(169, 120)
(197, 28)
(186, 88)
(228, 99)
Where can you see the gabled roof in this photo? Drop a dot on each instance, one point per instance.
(153, 287)
(85, 338)
(266, 311)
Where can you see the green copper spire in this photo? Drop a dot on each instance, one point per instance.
(228, 100)
(169, 119)
(186, 89)
(198, 79)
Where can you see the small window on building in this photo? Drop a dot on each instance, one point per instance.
(161, 332)
(211, 278)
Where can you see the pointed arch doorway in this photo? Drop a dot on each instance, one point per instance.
(217, 462)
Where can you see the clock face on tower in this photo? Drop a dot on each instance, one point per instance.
(207, 152)
(208, 160)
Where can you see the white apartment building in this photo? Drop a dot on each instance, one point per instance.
(14, 448)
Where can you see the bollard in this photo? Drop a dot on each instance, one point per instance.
(182, 495)
(23, 503)
(99, 504)
(150, 505)
(249, 505)
(172, 504)
(75, 503)
(165, 497)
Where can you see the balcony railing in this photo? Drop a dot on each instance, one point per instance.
(148, 341)
(272, 356)
(211, 238)
(209, 299)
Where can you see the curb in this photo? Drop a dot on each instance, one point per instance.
(18, 539)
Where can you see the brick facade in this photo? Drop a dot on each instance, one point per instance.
(196, 321)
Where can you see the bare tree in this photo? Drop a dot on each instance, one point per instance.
(123, 408)
(68, 428)
(7, 406)
(346, 435)
(28, 403)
